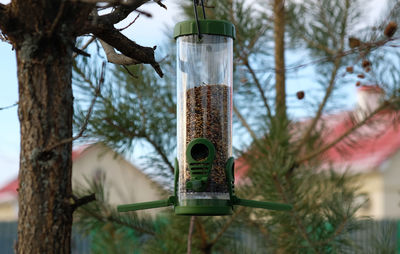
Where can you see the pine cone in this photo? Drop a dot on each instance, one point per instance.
(300, 95)
(390, 29)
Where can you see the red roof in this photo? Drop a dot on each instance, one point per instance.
(371, 89)
(76, 153)
(9, 191)
(10, 187)
(366, 149)
(369, 146)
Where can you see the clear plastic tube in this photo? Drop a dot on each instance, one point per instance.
(204, 110)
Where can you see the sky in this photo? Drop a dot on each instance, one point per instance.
(145, 31)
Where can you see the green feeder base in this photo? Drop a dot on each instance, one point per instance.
(204, 207)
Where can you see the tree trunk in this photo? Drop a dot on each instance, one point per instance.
(279, 37)
(45, 113)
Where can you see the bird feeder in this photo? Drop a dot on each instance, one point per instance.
(204, 168)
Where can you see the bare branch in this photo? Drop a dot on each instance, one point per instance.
(117, 40)
(57, 19)
(4, 17)
(129, 72)
(258, 84)
(112, 2)
(226, 226)
(312, 43)
(114, 57)
(229, 222)
(80, 52)
(10, 106)
(121, 12)
(125, 27)
(147, 14)
(77, 202)
(189, 242)
(161, 4)
(103, 28)
(203, 234)
(89, 113)
(244, 123)
(84, 46)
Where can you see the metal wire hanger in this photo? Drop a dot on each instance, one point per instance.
(195, 3)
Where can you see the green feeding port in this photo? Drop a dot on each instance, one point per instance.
(200, 155)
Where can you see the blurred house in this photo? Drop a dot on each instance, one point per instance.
(123, 182)
(372, 151)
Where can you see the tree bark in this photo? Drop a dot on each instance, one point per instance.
(43, 33)
(279, 37)
(45, 113)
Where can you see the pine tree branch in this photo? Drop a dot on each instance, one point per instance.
(332, 80)
(116, 220)
(311, 43)
(344, 25)
(160, 151)
(366, 46)
(258, 85)
(248, 128)
(300, 226)
(279, 57)
(97, 92)
(10, 106)
(244, 123)
(321, 107)
(338, 231)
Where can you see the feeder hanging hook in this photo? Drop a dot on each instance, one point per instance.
(195, 3)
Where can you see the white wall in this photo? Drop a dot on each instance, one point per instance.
(371, 184)
(391, 173)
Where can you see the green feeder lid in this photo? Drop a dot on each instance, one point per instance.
(207, 26)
